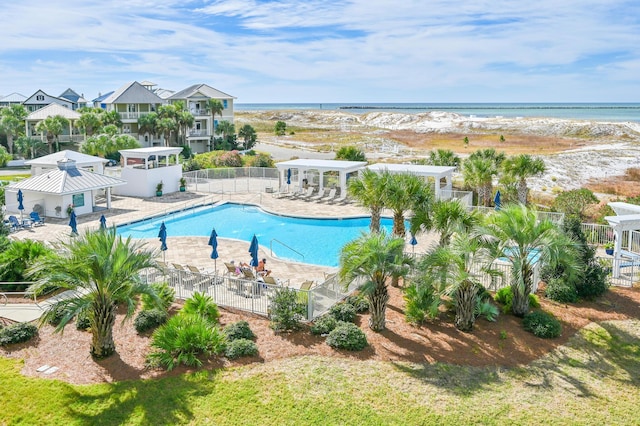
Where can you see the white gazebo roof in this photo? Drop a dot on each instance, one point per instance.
(52, 159)
(322, 165)
(153, 150)
(66, 179)
(624, 208)
(416, 169)
(627, 222)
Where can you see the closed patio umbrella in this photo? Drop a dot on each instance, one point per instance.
(289, 176)
(20, 205)
(162, 235)
(103, 223)
(413, 242)
(73, 223)
(213, 242)
(496, 200)
(253, 250)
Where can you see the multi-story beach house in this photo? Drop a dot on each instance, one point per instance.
(132, 101)
(12, 99)
(68, 99)
(195, 100)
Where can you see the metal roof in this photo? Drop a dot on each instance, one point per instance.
(152, 150)
(53, 110)
(52, 159)
(133, 93)
(308, 163)
(413, 169)
(204, 89)
(13, 97)
(68, 181)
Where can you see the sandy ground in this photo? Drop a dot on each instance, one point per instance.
(582, 150)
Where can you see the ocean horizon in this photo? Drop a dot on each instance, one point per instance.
(618, 112)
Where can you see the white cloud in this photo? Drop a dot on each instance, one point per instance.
(409, 50)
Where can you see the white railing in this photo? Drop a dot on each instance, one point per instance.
(597, 234)
(553, 217)
(466, 197)
(233, 179)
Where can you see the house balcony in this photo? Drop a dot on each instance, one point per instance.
(133, 115)
(199, 133)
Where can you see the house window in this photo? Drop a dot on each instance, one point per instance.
(224, 103)
(131, 107)
(40, 98)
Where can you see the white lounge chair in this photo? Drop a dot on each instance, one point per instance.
(283, 192)
(331, 196)
(308, 193)
(319, 196)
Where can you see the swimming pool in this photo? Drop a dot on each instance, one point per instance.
(315, 241)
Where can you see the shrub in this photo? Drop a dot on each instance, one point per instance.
(240, 347)
(262, 160)
(150, 319)
(17, 333)
(57, 316)
(343, 312)
(359, 301)
(504, 296)
(422, 303)
(229, 159)
(324, 325)
(238, 330)
(593, 283)
(82, 320)
(561, 291)
(182, 339)
(202, 305)
(286, 313)
(347, 336)
(165, 293)
(485, 308)
(542, 324)
(350, 153)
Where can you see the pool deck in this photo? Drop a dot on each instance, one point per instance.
(194, 250)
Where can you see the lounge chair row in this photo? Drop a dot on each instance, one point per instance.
(329, 195)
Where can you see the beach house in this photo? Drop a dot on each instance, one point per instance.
(195, 99)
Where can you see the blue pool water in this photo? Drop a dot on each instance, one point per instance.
(318, 241)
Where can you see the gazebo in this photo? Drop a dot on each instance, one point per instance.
(438, 173)
(144, 168)
(312, 172)
(52, 192)
(627, 220)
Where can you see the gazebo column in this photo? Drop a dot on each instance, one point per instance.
(321, 181)
(343, 184)
(617, 248)
(108, 193)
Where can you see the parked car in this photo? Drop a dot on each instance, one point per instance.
(112, 163)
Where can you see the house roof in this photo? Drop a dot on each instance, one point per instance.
(33, 100)
(52, 110)
(52, 159)
(67, 179)
(133, 93)
(205, 90)
(73, 96)
(101, 98)
(13, 97)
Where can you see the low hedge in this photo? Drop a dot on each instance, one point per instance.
(149, 319)
(347, 336)
(17, 333)
(238, 330)
(542, 324)
(240, 347)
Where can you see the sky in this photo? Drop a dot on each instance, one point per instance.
(287, 51)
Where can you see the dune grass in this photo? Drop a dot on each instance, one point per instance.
(592, 380)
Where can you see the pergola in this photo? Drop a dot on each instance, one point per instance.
(145, 168)
(305, 166)
(627, 219)
(436, 172)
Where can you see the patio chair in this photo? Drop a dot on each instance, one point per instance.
(319, 196)
(210, 275)
(331, 196)
(231, 269)
(14, 223)
(308, 193)
(283, 192)
(36, 219)
(248, 274)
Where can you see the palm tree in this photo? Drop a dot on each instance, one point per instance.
(375, 258)
(368, 190)
(103, 271)
(444, 157)
(400, 193)
(12, 123)
(89, 121)
(455, 265)
(53, 126)
(450, 217)
(164, 127)
(248, 134)
(521, 167)
(111, 117)
(226, 128)
(215, 107)
(515, 233)
(148, 124)
(185, 122)
(479, 173)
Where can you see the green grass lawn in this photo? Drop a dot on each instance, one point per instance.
(593, 380)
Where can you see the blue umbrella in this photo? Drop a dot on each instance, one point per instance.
(213, 242)
(496, 200)
(103, 222)
(413, 242)
(20, 200)
(162, 235)
(253, 249)
(288, 176)
(73, 223)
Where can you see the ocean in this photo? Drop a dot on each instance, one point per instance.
(576, 111)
